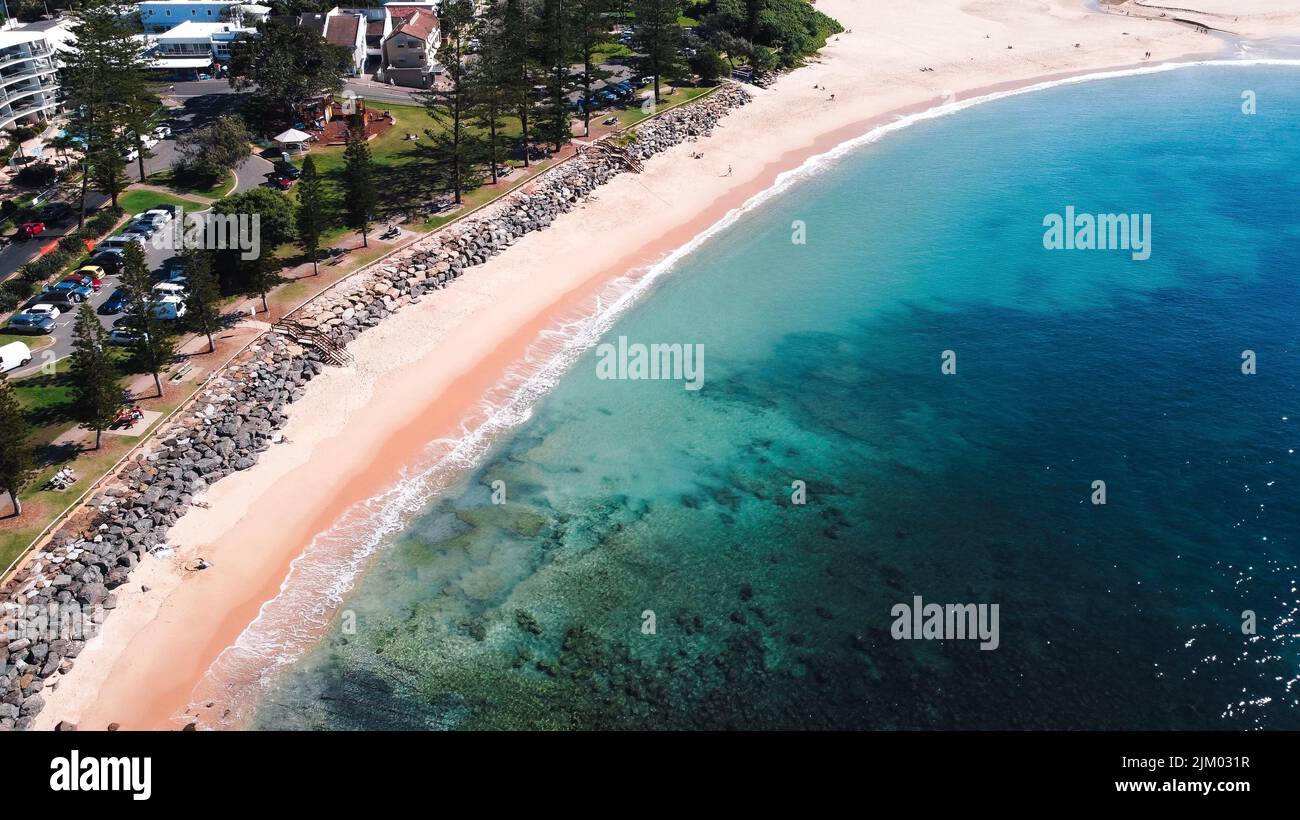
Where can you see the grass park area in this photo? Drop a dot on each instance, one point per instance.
(167, 179)
(139, 200)
(47, 398)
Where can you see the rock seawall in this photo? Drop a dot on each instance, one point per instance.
(60, 597)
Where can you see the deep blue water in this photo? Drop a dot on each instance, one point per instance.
(822, 365)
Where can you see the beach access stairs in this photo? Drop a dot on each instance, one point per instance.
(608, 148)
(329, 350)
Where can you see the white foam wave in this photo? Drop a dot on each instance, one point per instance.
(321, 577)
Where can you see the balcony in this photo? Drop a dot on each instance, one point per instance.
(21, 54)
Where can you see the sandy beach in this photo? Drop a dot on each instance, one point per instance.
(422, 372)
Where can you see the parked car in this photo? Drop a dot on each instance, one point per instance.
(283, 183)
(131, 155)
(30, 323)
(118, 243)
(128, 322)
(159, 216)
(162, 132)
(148, 141)
(143, 227)
(63, 300)
(95, 272)
(115, 303)
(123, 336)
(45, 310)
(173, 269)
(27, 230)
(56, 212)
(170, 210)
(287, 169)
(75, 289)
(169, 307)
(109, 259)
(85, 280)
(14, 355)
(169, 289)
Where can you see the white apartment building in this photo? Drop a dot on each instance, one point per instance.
(29, 83)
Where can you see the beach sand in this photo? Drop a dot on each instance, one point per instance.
(424, 370)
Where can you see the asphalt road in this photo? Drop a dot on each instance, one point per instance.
(20, 252)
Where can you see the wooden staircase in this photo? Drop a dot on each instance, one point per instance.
(609, 149)
(330, 351)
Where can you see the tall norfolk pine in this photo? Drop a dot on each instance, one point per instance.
(311, 215)
(359, 180)
(17, 455)
(102, 79)
(96, 393)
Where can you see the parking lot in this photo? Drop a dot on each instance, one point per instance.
(158, 250)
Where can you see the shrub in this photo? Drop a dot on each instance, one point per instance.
(18, 288)
(8, 301)
(36, 175)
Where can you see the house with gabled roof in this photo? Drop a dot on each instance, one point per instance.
(410, 50)
(343, 28)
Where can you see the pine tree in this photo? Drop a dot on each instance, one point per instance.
(154, 346)
(657, 37)
(556, 49)
(203, 307)
(311, 212)
(96, 393)
(17, 455)
(489, 79)
(454, 148)
(103, 82)
(519, 68)
(590, 31)
(359, 180)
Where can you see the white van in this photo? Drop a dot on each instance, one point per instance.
(14, 355)
(169, 307)
(163, 289)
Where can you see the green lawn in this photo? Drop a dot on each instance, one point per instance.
(46, 398)
(217, 191)
(402, 170)
(34, 343)
(140, 200)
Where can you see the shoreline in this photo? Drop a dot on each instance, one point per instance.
(262, 522)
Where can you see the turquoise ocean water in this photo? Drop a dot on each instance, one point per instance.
(822, 365)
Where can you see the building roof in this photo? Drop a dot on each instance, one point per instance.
(418, 23)
(313, 21)
(45, 25)
(194, 30)
(291, 136)
(342, 30)
(14, 36)
(188, 3)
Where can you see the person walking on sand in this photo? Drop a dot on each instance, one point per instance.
(728, 171)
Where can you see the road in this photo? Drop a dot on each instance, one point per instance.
(386, 93)
(19, 253)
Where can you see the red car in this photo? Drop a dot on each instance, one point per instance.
(29, 229)
(283, 183)
(85, 280)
